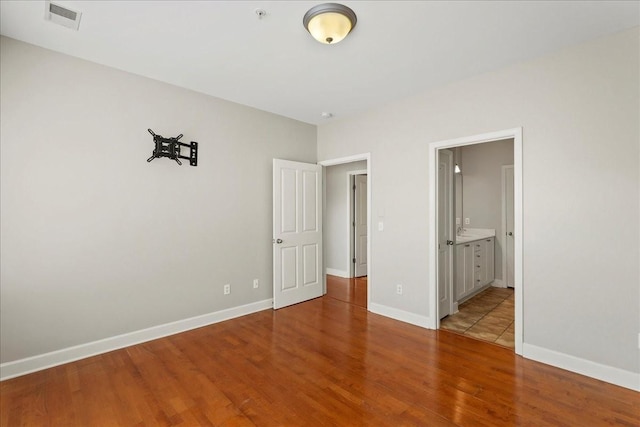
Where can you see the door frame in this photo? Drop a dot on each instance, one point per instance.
(503, 238)
(351, 177)
(340, 161)
(516, 135)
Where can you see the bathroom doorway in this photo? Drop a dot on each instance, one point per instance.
(482, 306)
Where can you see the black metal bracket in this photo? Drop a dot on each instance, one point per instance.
(170, 147)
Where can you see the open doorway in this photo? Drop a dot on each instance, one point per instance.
(483, 306)
(346, 229)
(474, 239)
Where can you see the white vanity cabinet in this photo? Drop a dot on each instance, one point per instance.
(474, 266)
(464, 269)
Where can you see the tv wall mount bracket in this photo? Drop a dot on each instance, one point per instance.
(170, 147)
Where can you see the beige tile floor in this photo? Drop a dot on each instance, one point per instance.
(487, 316)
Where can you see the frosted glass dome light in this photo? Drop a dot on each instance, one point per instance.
(329, 23)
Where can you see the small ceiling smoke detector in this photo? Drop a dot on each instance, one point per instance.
(261, 13)
(61, 15)
(326, 115)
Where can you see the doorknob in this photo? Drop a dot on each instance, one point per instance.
(510, 233)
(278, 241)
(449, 242)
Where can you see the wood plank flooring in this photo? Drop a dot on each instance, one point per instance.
(319, 363)
(353, 291)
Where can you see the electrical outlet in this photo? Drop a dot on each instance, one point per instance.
(227, 289)
(399, 289)
(467, 221)
(256, 283)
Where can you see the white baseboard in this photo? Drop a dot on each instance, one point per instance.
(498, 283)
(591, 369)
(335, 272)
(82, 351)
(401, 315)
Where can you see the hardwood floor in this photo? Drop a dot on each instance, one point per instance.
(319, 363)
(353, 291)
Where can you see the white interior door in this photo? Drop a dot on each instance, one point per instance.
(445, 232)
(360, 220)
(508, 220)
(297, 232)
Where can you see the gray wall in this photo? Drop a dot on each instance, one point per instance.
(579, 111)
(482, 189)
(97, 242)
(336, 219)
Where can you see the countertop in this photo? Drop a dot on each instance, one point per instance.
(473, 234)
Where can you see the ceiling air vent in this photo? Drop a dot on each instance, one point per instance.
(62, 15)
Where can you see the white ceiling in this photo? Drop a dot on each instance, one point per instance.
(398, 48)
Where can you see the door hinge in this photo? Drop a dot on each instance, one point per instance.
(354, 261)
(354, 187)
(353, 223)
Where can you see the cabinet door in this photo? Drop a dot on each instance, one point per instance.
(464, 270)
(469, 268)
(489, 260)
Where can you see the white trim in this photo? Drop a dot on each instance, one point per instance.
(48, 360)
(347, 159)
(350, 159)
(516, 134)
(401, 315)
(336, 272)
(580, 366)
(454, 308)
(498, 283)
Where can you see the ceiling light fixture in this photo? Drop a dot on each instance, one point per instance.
(329, 23)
